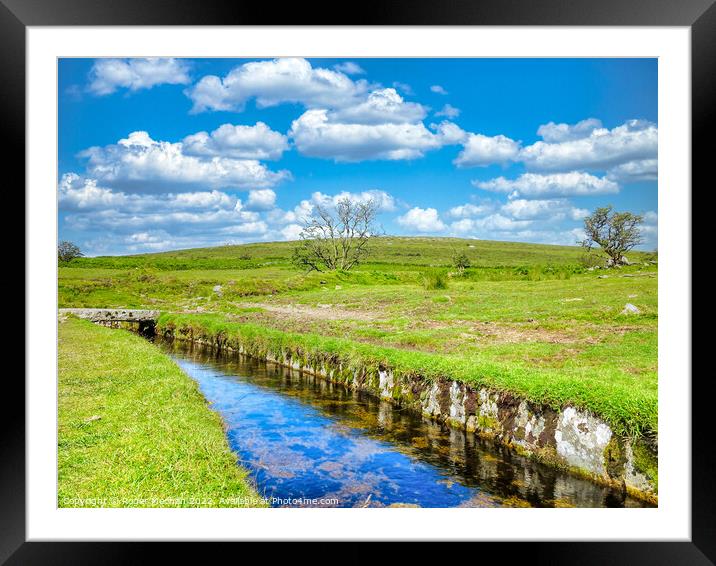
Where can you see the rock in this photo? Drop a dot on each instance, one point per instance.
(218, 290)
(630, 309)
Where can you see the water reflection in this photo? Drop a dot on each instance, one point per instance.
(305, 438)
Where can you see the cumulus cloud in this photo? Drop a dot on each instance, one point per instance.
(549, 209)
(315, 134)
(503, 228)
(129, 222)
(556, 133)
(480, 151)
(109, 75)
(77, 193)
(628, 151)
(349, 68)
(383, 106)
(237, 141)
(261, 199)
(470, 210)
(528, 185)
(138, 160)
(438, 89)
(631, 171)
(274, 82)
(291, 232)
(601, 149)
(449, 111)
(421, 220)
(384, 201)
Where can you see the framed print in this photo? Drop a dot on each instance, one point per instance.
(420, 276)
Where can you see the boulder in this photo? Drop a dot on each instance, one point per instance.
(630, 309)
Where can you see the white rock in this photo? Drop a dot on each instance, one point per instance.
(630, 309)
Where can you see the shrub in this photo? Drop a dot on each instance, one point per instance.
(435, 280)
(461, 262)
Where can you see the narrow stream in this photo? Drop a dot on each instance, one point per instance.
(308, 442)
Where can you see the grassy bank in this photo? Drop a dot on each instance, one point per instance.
(137, 434)
(627, 402)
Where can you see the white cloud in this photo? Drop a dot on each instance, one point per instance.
(82, 194)
(291, 232)
(642, 170)
(384, 201)
(275, 82)
(502, 228)
(552, 210)
(528, 185)
(349, 68)
(108, 75)
(75, 193)
(470, 210)
(449, 111)
(601, 149)
(421, 220)
(237, 141)
(383, 106)
(556, 133)
(480, 151)
(438, 89)
(255, 228)
(299, 214)
(315, 135)
(139, 160)
(406, 88)
(261, 199)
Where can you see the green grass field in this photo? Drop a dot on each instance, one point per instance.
(139, 434)
(526, 318)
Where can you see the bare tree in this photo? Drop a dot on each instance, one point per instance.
(615, 232)
(337, 237)
(67, 251)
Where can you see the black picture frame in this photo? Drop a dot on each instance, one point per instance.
(699, 15)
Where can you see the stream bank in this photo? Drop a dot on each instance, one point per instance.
(566, 437)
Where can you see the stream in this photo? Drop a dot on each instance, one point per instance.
(308, 442)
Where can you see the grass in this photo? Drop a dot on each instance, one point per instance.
(137, 434)
(532, 319)
(619, 397)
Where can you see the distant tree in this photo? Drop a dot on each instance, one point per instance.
(615, 232)
(460, 261)
(337, 237)
(67, 251)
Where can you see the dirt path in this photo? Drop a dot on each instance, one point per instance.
(320, 311)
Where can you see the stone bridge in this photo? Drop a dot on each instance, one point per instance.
(144, 319)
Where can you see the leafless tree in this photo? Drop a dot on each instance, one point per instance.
(615, 232)
(337, 238)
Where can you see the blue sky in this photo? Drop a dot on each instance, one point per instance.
(158, 154)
